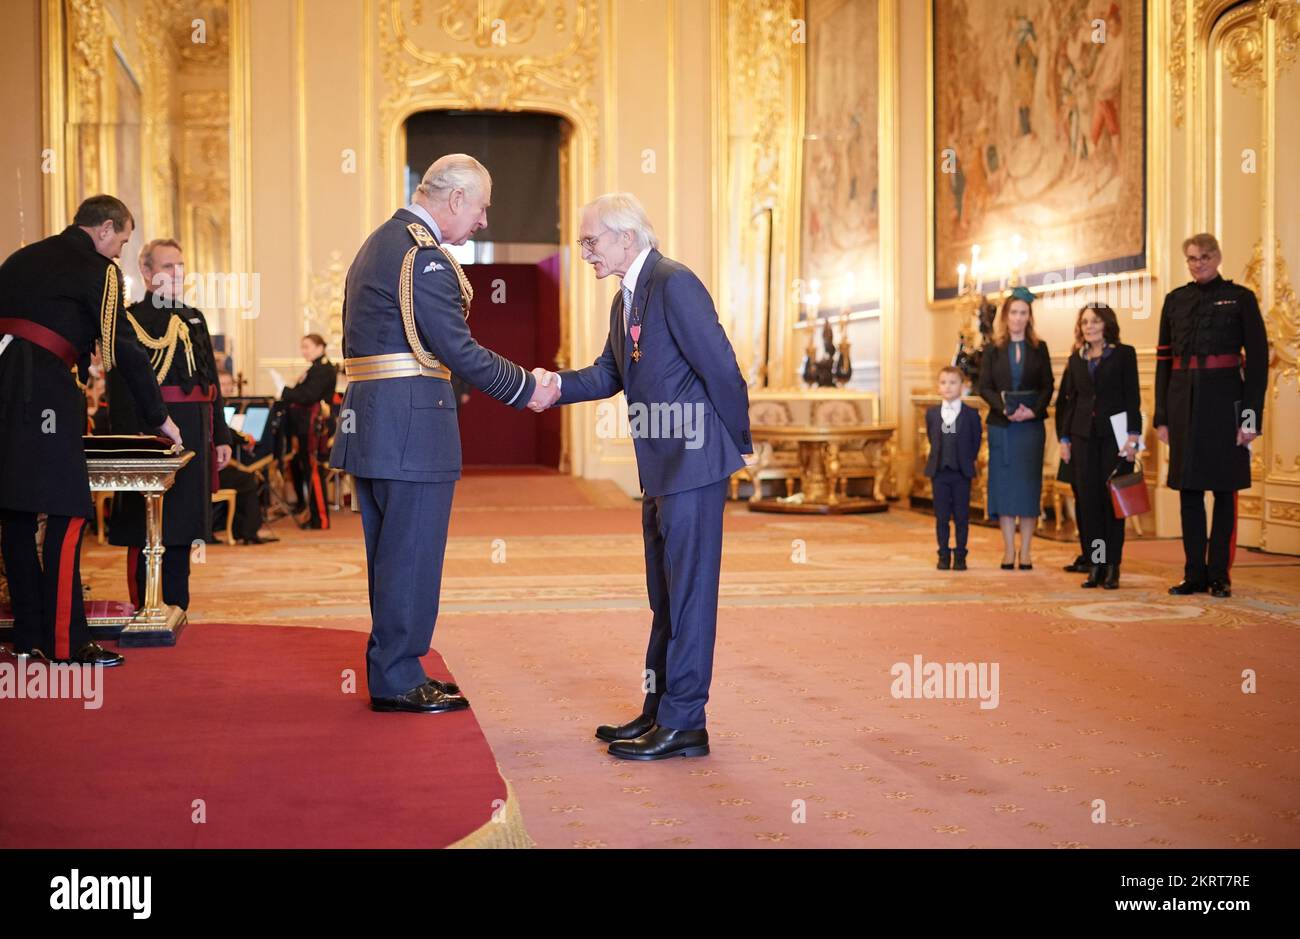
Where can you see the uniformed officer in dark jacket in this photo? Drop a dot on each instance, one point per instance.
(180, 347)
(406, 302)
(1209, 406)
(57, 297)
(304, 399)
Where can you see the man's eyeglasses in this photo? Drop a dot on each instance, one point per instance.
(589, 244)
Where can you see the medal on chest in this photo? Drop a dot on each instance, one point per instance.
(634, 330)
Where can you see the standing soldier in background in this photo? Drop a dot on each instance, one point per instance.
(1209, 407)
(57, 297)
(180, 348)
(315, 388)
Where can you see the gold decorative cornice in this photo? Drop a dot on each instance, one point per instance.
(1243, 53)
(477, 21)
(497, 78)
(1285, 15)
(1244, 48)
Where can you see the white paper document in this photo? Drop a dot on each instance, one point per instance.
(1119, 424)
(279, 382)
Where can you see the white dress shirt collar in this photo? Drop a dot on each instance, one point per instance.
(948, 410)
(634, 270)
(416, 209)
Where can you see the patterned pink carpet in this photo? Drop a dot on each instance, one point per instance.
(1121, 719)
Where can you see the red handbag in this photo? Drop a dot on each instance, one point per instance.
(1128, 493)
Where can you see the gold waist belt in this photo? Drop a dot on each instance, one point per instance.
(395, 365)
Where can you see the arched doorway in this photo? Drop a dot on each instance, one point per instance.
(515, 265)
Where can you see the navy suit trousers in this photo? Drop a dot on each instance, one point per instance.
(406, 537)
(683, 560)
(951, 503)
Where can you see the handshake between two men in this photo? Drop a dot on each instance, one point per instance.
(547, 391)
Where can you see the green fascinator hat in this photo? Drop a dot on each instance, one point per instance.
(1022, 292)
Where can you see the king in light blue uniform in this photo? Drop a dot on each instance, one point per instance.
(398, 436)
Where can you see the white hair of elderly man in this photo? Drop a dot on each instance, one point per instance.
(622, 211)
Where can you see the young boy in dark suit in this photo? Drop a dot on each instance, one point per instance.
(955, 432)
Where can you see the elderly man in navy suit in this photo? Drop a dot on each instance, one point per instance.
(406, 301)
(689, 411)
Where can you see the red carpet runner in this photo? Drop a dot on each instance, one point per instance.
(254, 722)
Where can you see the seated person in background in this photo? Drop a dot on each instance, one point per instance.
(247, 484)
(314, 388)
(955, 432)
(96, 405)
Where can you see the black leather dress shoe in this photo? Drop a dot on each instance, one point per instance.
(1079, 565)
(425, 699)
(446, 687)
(92, 653)
(959, 562)
(1220, 588)
(1183, 588)
(638, 726)
(662, 743)
(1111, 581)
(945, 562)
(1096, 576)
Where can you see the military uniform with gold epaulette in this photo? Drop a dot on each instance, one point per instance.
(57, 297)
(406, 304)
(181, 350)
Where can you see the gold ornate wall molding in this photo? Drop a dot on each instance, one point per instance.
(478, 20)
(87, 53)
(325, 300)
(757, 204)
(1178, 61)
(174, 147)
(1246, 49)
(450, 67)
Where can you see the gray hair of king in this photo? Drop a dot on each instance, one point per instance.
(622, 211)
(454, 171)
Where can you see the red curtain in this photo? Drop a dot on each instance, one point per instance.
(516, 313)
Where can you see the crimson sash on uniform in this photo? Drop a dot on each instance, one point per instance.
(41, 336)
(175, 394)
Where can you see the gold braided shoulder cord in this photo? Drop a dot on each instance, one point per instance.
(406, 300)
(466, 291)
(108, 317)
(163, 350)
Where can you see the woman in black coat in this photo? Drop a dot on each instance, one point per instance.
(1100, 380)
